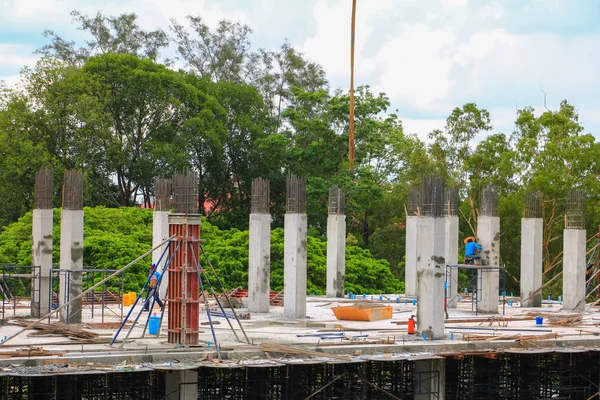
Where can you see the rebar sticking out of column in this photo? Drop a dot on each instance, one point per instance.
(575, 212)
(452, 201)
(295, 195)
(336, 200)
(43, 189)
(259, 202)
(73, 190)
(488, 205)
(414, 200)
(433, 196)
(185, 193)
(162, 194)
(533, 205)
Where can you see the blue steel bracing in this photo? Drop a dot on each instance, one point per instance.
(224, 293)
(215, 296)
(212, 328)
(138, 298)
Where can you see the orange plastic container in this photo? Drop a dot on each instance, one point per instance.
(363, 312)
(127, 299)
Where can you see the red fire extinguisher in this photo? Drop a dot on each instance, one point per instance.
(411, 325)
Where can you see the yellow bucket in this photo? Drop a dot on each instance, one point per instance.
(127, 299)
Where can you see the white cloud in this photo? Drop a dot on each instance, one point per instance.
(422, 127)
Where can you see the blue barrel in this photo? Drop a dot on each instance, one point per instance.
(154, 325)
(539, 320)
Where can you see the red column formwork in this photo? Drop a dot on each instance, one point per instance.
(184, 288)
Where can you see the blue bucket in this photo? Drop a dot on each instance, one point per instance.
(154, 325)
(539, 320)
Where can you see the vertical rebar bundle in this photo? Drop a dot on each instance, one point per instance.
(162, 195)
(414, 200)
(452, 201)
(533, 205)
(575, 212)
(259, 202)
(185, 193)
(43, 189)
(433, 196)
(488, 205)
(295, 195)
(336, 200)
(73, 190)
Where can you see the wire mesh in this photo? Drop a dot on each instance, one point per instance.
(185, 193)
(489, 201)
(295, 195)
(259, 202)
(575, 215)
(452, 201)
(533, 205)
(43, 189)
(336, 200)
(433, 196)
(162, 196)
(73, 190)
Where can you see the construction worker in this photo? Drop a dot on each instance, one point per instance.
(153, 290)
(471, 249)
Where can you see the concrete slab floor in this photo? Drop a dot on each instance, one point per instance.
(360, 337)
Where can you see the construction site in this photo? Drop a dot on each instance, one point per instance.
(66, 336)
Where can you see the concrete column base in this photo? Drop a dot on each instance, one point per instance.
(41, 257)
(181, 385)
(574, 264)
(488, 236)
(336, 255)
(532, 231)
(259, 263)
(160, 233)
(430, 379)
(294, 266)
(431, 273)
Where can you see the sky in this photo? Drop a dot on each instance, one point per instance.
(428, 56)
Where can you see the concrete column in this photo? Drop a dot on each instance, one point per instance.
(181, 384)
(488, 236)
(574, 264)
(71, 259)
(42, 257)
(431, 268)
(452, 258)
(160, 233)
(259, 263)
(430, 379)
(336, 254)
(532, 230)
(410, 262)
(294, 262)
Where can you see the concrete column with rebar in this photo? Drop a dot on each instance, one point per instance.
(451, 257)
(295, 249)
(42, 225)
(410, 259)
(574, 261)
(336, 243)
(431, 264)
(532, 231)
(184, 286)
(160, 228)
(71, 247)
(488, 236)
(259, 248)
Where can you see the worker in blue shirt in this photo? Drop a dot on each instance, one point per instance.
(153, 290)
(471, 248)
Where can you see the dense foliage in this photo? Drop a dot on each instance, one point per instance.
(117, 110)
(114, 237)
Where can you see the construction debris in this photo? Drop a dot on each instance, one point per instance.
(33, 351)
(279, 348)
(57, 328)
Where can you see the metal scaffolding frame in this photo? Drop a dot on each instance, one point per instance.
(474, 281)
